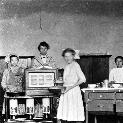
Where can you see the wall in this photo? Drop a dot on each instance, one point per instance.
(87, 32)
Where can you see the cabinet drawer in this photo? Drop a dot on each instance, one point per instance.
(100, 105)
(95, 95)
(119, 95)
(119, 106)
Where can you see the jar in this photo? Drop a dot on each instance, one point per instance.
(106, 82)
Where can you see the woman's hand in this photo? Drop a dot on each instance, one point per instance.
(68, 88)
(11, 88)
(63, 90)
(45, 64)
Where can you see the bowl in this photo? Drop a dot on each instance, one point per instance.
(91, 85)
(115, 85)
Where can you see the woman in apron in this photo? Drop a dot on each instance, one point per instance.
(70, 107)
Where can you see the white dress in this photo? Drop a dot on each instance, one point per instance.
(116, 74)
(71, 104)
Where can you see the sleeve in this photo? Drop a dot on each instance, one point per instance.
(80, 74)
(4, 79)
(36, 63)
(52, 63)
(111, 75)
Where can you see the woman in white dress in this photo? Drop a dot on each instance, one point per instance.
(70, 107)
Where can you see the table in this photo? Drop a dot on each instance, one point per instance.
(103, 100)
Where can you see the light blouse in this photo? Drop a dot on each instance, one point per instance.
(73, 74)
(116, 74)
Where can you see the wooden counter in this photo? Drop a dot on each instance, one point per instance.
(103, 101)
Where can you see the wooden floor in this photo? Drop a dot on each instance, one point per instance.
(100, 119)
(30, 122)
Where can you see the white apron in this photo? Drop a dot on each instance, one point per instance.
(71, 104)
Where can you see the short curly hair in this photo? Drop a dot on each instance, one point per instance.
(44, 44)
(68, 50)
(118, 57)
(11, 56)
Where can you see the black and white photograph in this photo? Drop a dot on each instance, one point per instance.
(61, 61)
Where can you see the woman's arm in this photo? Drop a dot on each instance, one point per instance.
(111, 76)
(4, 79)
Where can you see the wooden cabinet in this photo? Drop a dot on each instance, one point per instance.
(95, 67)
(29, 110)
(99, 101)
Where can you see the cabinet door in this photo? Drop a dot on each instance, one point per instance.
(100, 68)
(119, 106)
(119, 102)
(85, 63)
(95, 67)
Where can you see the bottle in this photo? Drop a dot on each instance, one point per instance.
(106, 82)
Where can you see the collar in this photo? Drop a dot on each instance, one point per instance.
(43, 56)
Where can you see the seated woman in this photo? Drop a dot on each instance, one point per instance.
(12, 80)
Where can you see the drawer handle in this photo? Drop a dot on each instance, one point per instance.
(101, 96)
(100, 106)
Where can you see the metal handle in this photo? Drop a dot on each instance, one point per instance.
(100, 106)
(101, 96)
